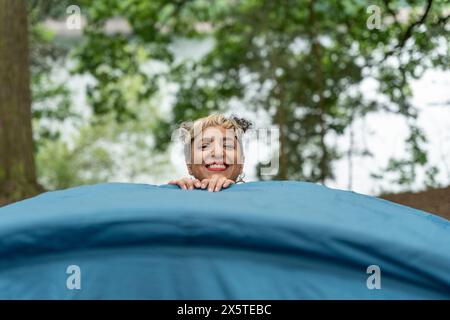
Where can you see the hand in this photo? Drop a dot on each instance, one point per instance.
(186, 183)
(216, 183)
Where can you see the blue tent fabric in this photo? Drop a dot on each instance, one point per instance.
(257, 240)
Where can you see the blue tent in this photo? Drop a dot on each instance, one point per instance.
(258, 240)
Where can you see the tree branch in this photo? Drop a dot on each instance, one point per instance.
(442, 20)
(410, 29)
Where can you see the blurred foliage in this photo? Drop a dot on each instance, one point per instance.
(99, 152)
(90, 154)
(60, 166)
(51, 99)
(302, 61)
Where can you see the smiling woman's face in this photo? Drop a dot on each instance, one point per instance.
(216, 151)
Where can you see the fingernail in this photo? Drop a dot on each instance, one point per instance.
(217, 189)
(210, 189)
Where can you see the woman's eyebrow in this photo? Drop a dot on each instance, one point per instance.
(211, 139)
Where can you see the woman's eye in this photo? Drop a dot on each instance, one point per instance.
(204, 146)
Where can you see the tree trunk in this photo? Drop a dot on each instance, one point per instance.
(17, 167)
(320, 80)
(280, 120)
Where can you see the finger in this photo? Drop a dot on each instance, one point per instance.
(182, 184)
(212, 183)
(205, 183)
(197, 183)
(227, 183)
(220, 183)
(171, 182)
(190, 184)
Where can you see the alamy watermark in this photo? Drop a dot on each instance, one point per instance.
(263, 143)
(374, 20)
(374, 280)
(73, 281)
(73, 21)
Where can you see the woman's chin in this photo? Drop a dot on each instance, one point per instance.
(217, 173)
(210, 173)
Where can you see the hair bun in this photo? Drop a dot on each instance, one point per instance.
(243, 123)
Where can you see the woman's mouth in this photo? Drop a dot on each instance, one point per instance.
(216, 167)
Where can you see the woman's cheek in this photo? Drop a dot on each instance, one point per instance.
(198, 157)
(231, 157)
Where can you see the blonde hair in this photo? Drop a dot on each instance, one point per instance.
(189, 129)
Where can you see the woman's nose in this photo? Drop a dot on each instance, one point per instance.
(217, 151)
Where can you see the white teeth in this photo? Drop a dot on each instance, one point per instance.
(221, 166)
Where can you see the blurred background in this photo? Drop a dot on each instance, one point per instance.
(359, 91)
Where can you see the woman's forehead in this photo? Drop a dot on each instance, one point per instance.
(214, 133)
